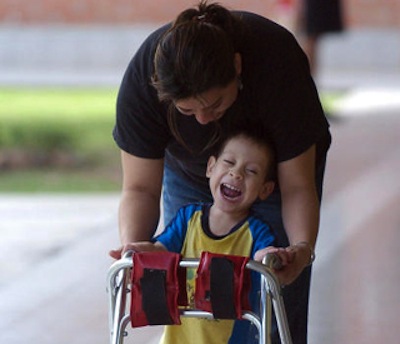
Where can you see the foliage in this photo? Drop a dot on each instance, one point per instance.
(69, 130)
(64, 119)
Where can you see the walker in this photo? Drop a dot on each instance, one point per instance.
(140, 303)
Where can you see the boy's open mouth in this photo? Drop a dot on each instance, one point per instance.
(230, 191)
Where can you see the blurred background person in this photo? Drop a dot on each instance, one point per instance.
(315, 18)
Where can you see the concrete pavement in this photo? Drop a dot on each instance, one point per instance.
(53, 267)
(354, 297)
(35, 227)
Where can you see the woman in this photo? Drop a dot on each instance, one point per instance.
(190, 83)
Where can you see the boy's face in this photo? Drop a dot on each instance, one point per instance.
(238, 176)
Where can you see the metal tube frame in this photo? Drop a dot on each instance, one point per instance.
(118, 283)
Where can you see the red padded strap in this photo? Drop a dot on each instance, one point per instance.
(223, 285)
(157, 288)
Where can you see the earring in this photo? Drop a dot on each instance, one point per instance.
(240, 83)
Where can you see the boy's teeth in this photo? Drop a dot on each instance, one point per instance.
(230, 191)
(231, 187)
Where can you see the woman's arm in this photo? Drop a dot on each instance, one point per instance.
(300, 209)
(139, 209)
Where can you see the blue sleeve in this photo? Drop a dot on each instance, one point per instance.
(174, 234)
(262, 235)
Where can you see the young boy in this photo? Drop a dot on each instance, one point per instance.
(240, 173)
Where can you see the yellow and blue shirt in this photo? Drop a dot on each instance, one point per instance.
(189, 234)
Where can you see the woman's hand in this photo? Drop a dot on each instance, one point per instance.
(293, 260)
(141, 246)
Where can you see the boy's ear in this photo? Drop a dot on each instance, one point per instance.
(266, 190)
(210, 165)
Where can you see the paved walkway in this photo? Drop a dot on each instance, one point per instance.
(53, 253)
(355, 286)
(53, 267)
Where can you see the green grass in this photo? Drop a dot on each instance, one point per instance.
(76, 118)
(329, 101)
(47, 122)
(55, 180)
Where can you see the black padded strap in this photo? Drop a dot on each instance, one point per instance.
(222, 288)
(154, 297)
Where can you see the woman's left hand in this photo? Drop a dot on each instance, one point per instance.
(293, 261)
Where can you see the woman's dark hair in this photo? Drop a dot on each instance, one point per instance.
(195, 55)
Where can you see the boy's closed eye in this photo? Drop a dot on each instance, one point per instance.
(228, 162)
(251, 171)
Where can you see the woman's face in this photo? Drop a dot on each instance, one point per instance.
(210, 105)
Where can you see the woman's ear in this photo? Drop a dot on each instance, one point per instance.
(210, 166)
(266, 190)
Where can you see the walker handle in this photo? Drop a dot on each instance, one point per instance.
(272, 260)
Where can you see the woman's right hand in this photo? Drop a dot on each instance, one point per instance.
(141, 246)
(118, 253)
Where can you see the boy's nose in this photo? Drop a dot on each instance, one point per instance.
(235, 172)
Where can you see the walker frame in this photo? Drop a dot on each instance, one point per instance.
(118, 284)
